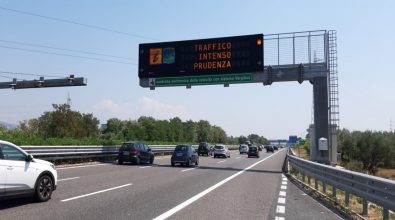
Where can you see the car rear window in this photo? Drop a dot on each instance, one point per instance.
(181, 148)
(219, 147)
(127, 146)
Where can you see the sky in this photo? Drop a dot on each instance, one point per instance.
(365, 39)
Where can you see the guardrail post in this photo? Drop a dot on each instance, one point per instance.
(315, 183)
(334, 191)
(323, 187)
(303, 177)
(309, 180)
(386, 213)
(347, 198)
(365, 207)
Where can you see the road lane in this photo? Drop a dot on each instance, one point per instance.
(158, 189)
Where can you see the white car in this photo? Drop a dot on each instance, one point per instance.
(243, 149)
(22, 175)
(221, 150)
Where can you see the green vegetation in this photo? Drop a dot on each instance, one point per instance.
(367, 151)
(63, 126)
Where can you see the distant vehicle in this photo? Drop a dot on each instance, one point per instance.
(221, 150)
(275, 147)
(243, 149)
(260, 147)
(184, 154)
(253, 152)
(248, 143)
(136, 152)
(205, 149)
(269, 148)
(22, 175)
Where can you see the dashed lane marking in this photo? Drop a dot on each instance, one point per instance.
(71, 178)
(281, 200)
(282, 193)
(94, 193)
(280, 209)
(188, 169)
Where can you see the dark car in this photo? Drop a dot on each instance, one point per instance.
(184, 154)
(269, 148)
(253, 151)
(135, 152)
(204, 149)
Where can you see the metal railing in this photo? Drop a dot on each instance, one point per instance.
(372, 189)
(54, 153)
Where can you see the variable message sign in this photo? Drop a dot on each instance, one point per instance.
(199, 62)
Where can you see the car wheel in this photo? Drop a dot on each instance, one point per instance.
(151, 160)
(188, 164)
(215, 156)
(173, 164)
(197, 162)
(44, 188)
(120, 162)
(138, 161)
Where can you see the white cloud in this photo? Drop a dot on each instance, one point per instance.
(151, 107)
(145, 106)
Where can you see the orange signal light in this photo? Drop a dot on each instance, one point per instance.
(259, 42)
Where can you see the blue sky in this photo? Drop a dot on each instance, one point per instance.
(366, 46)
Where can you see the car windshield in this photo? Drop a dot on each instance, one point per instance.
(181, 148)
(219, 147)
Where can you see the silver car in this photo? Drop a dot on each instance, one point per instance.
(243, 149)
(221, 150)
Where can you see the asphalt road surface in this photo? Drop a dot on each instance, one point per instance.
(232, 188)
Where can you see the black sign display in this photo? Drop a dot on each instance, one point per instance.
(215, 56)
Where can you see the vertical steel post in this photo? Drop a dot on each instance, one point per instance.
(347, 198)
(365, 207)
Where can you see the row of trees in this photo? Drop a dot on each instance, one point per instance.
(172, 131)
(368, 150)
(65, 126)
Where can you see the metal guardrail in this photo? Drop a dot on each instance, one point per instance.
(86, 152)
(373, 189)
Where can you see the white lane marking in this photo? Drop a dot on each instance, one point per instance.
(284, 183)
(205, 192)
(221, 161)
(94, 165)
(281, 200)
(71, 178)
(188, 169)
(285, 179)
(283, 187)
(282, 175)
(279, 218)
(280, 209)
(237, 157)
(145, 167)
(282, 193)
(97, 192)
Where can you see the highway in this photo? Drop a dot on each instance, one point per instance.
(233, 188)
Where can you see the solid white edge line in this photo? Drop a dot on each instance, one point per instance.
(188, 169)
(71, 178)
(93, 165)
(221, 161)
(145, 167)
(97, 192)
(200, 195)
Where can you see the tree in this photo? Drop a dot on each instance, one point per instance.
(203, 131)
